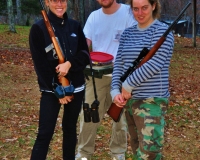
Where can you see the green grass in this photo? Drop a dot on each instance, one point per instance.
(14, 40)
(20, 29)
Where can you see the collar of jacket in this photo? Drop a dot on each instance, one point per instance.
(53, 18)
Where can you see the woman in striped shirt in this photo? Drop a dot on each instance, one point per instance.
(145, 92)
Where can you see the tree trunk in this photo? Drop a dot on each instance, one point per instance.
(81, 13)
(91, 4)
(194, 23)
(75, 5)
(19, 13)
(70, 8)
(10, 16)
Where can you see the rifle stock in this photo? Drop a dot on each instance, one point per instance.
(114, 111)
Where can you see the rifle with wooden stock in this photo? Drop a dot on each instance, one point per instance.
(114, 111)
(61, 59)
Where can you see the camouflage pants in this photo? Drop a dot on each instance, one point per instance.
(145, 119)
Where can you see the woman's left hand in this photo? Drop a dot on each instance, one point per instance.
(126, 95)
(119, 101)
(63, 69)
(65, 100)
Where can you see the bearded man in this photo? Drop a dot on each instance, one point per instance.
(102, 31)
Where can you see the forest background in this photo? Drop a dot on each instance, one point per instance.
(26, 12)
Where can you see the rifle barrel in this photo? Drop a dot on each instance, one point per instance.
(176, 21)
(154, 49)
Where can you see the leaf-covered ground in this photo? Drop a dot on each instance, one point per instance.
(19, 104)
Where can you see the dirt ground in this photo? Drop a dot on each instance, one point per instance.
(19, 104)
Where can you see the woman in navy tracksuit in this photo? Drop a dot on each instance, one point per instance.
(74, 46)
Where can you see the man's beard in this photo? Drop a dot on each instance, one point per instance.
(108, 5)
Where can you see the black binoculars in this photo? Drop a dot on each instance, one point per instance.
(91, 113)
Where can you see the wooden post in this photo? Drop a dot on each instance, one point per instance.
(194, 23)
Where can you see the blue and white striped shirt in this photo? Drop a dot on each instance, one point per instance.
(151, 79)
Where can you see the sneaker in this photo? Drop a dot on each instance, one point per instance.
(118, 157)
(82, 157)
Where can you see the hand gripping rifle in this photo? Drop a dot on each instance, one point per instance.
(64, 81)
(114, 111)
